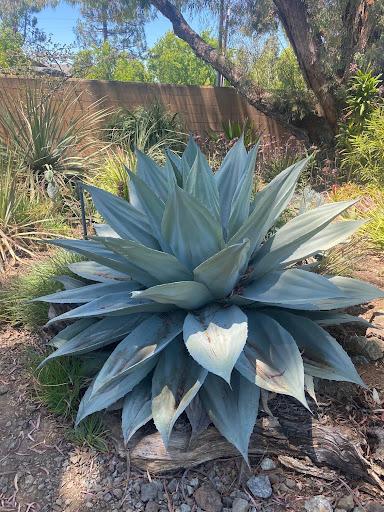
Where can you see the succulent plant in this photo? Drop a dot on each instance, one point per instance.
(199, 304)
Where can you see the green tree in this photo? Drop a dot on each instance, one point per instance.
(107, 63)
(172, 61)
(19, 16)
(11, 49)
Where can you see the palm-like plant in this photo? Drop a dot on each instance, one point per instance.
(200, 309)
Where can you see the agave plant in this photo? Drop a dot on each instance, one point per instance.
(199, 307)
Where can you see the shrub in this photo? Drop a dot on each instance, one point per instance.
(149, 129)
(22, 221)
(47, 135)
(196, 309)
(15, 306)
(112, 174)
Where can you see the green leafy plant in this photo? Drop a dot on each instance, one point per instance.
(22, 222)
(150, 129)
(199, 310)
(32, 126)
(17, 293)
(236, 129)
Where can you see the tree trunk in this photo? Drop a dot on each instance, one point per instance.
(294, 17)
(212, 56)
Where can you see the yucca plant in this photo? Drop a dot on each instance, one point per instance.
(199, 308)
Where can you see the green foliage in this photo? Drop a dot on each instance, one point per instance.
(236, 129)
(58, 386)
(363, 159)
(22, 221)
(33, 128)
(11, 50)
(189, 299)
(112, 174)
(150, 129)
(106, 63)
(279, 76)
(15, 306)
(172, 61)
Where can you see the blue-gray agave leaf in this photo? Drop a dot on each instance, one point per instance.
(137, 408)
(94, 401)
(160, 266)
(122, 217)
(270, 202)
(190, 230)
(176, 380)
(232, 409)
(150, 204)
(70, 332)
(222, 271)
(153, 175)
(104, 230)
(117, 304)
(97, 335)
(96, 252)
(88, 293)
(68, 282)
(293, 289)
(93, 271)
(271, 358)
(242, 197)
(202, 186)
(190, 152)
(322, 355)
(355, 291)
(215, 337)
(303, 236)
(228, 178)
(146, 340)
(183, 294)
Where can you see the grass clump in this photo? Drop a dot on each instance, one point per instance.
(58, 385)
(38, 280)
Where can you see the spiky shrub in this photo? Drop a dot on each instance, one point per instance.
(199, 308)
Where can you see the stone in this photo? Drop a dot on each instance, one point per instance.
(372, 348)
(107, 497)
(290, 483)
(29, 480)
(185, 508)
(227, 501)
(375, 506)
(151, 506)
(240, 505)
(88, 505)
(318, 504)
(118, 493)
(3, 389)
(208, 499)
(190, 490)
(358, 509)
(346, 502)
(267, 464)
(194, 482)
(260, 486)
(148, 492)
(172, 485)
(239, 494)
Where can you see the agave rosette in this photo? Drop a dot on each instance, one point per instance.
(198, 307)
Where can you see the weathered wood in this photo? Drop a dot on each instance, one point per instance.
(294, 433)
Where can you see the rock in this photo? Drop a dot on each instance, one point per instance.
(359, 509)
(339, 510)
(239, 494)
(185, 508)
(227, 501)
(240, 505)
(151, 506)
(107, 497)
(3, 389)
(88, 505)
(290, 483)
(190, 490)
(118, 493)
(208, 499)
(194, 482)
(318, 504)
(346, 502)
(28, 480)
(274, 478)
(148, 492)
(172, 486)
(372, 348)
(374, 506)
(267, 464)
(260, 486)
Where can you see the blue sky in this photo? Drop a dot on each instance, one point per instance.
(61, 20)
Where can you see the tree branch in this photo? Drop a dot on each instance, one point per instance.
(247, 88)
